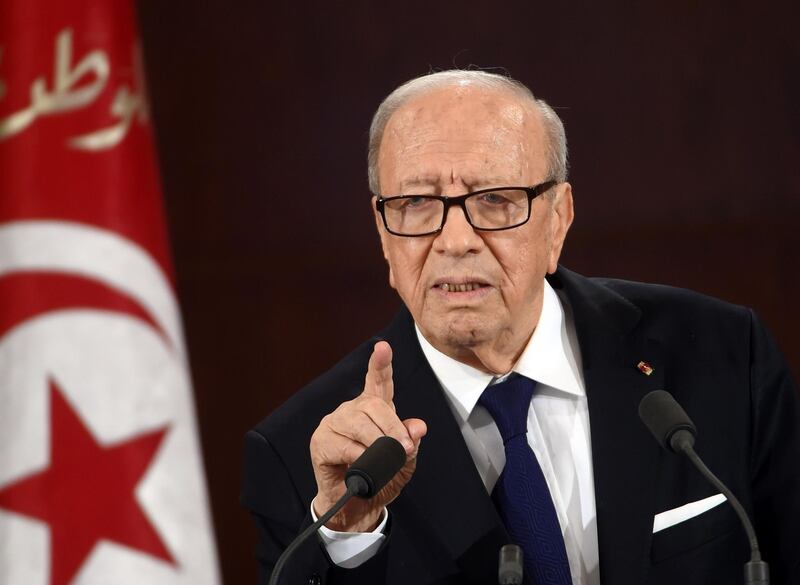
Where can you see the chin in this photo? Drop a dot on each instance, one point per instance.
(467, 331)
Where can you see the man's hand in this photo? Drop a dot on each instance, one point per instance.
(343, 435)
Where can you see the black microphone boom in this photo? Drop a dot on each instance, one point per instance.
(675, 431)
(366, 477)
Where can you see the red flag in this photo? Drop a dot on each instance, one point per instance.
(101, 479)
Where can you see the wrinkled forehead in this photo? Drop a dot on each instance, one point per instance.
(457, 110)
(454, 123)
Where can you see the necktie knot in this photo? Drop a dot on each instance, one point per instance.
(508, 403)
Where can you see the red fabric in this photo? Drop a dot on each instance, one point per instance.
(86, 492)
(24, 295)
(41, 177)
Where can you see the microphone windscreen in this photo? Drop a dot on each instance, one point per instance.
(376, 466)
(661, 413)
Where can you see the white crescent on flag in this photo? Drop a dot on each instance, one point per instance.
(99, 458)
(101, 477)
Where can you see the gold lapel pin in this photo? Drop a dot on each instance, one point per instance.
(645, 368)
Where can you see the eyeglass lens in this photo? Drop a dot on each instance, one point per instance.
(497, 209)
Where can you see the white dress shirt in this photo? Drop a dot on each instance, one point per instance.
(558, 434)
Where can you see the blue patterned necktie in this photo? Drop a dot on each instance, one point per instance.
(521, 494)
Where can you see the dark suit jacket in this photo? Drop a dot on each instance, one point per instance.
(715, 358)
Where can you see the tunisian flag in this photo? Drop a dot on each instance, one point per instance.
(101, 479)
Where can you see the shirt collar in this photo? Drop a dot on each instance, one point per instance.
(546, 359)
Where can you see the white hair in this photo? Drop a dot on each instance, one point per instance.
(556, 139)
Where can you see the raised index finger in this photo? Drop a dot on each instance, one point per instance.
(379, 373)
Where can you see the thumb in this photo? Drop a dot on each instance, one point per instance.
(416, 428)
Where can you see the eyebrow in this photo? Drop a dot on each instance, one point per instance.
(419, 181)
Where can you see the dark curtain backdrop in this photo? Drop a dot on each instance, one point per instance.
(683, 119)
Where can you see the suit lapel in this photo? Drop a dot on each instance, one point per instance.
(624, 455)
(446, 492)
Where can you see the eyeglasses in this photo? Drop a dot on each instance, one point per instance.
(488, 210)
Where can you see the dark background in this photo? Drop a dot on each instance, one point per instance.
(684, 125)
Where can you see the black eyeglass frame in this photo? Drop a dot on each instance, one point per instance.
(460, 200)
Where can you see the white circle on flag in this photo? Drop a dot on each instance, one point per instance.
(123, 378)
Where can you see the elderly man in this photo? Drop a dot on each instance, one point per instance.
(513, 385)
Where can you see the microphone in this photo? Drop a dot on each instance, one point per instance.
(509, 570)
(376, 466)
(675, 432)
(365, 477)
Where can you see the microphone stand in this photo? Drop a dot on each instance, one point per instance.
(675, 431)
(276, 571)
(366, 477)
(756, 571)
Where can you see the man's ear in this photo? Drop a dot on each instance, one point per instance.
(384, 236)
(562, 216)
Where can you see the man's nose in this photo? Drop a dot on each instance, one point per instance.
(457, 237)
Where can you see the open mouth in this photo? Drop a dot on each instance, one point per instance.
(460, 287)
